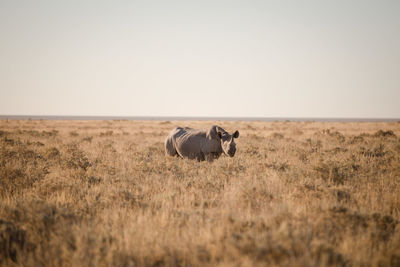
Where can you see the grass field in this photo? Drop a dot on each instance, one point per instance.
(103, 193)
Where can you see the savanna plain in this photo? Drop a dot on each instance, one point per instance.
(103, 193)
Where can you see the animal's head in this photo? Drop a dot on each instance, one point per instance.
(227, 140)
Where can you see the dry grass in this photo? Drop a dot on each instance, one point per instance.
(102, 193)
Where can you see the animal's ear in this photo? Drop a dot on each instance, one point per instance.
(219, 134)
(236, 134)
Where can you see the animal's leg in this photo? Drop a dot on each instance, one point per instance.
(201, 157)
(209, 157)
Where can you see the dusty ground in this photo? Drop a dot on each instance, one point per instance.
(102, 193)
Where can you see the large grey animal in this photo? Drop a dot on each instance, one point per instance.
(202, 145)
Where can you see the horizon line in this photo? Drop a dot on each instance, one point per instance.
(196, 118)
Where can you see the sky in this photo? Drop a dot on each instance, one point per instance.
(338, 59)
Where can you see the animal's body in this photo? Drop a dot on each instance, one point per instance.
(202, 145)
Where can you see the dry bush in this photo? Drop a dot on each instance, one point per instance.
(102, 193)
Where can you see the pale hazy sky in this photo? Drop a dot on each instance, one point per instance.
(200, 58)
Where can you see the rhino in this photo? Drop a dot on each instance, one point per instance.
(202, 145)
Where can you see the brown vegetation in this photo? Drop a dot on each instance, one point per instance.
(102, 193)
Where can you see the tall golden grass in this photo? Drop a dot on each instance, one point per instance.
(103, 193)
